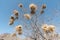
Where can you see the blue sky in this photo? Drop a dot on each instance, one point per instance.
(7, 6)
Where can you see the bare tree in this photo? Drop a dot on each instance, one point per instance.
(32, 22)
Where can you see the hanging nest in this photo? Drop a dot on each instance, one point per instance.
(19, 29)
(33, 7)
(11, 20)
(43, 6)
(51, 28)
(12, 17)
(27, 16)
(48, 28)
(42, 11)
(45, 27)
(20, 5)
(16, 13)
(32, 12)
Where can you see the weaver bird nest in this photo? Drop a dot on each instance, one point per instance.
(19, 29)
(49, 28)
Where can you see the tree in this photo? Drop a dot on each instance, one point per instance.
(33, 23)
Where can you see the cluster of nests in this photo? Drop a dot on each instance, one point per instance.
(43, 7)
(48, 28)
(33, 8)
(12, 18)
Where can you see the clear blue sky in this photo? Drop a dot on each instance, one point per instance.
(7, 6)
